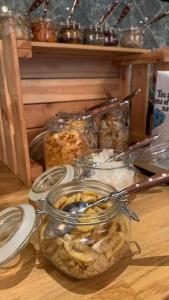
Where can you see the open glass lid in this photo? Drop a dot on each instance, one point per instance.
(16, 226)
(53, 176)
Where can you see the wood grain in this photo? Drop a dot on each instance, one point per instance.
(141, 276)
(139, 79)
(75, 49)
(12, 73)
(8, 151)
(67, 67)
(53, 90)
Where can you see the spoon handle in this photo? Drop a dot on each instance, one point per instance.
(34, 6)
(147, 184)
(108, 12)
(138, 145)
(124, 12)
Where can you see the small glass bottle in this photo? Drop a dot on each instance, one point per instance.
(70, 33)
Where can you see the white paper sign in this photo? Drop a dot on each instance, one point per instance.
(161, 106)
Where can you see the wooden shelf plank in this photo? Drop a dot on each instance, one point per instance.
(72, 49)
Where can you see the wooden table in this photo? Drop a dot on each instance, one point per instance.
(142, 276)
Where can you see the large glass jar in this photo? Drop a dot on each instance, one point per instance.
(114, 129)
(80, 245)
(43, 30)
(20, 24)
(70, 33)
(94, 241)
(67, 138)
(93, 35)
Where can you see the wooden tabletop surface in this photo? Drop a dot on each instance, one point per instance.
(141, 276)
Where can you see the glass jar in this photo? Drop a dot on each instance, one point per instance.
(67, 138)
(43, 30)
(114, 128)
(80, 245)
(19, 22)
(96, 166)
(132, 38)
(110, 37)
(93, 35)
(70, 33)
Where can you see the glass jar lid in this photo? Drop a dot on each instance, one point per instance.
(47, 180)
(17, 225)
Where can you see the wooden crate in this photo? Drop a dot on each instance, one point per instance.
(39, 79)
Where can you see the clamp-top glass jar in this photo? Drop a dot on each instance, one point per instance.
(43, 30)
(114, 128)
(67, 138)
(16, 21)
(93, 35)
(70, 33)
(110, 37)
(80, 245)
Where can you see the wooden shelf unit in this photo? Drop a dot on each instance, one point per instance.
(39, 79)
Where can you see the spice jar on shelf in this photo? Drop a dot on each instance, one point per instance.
(114, 128)
(93, 35)
(110, 37)
(43, 30)
(70, 33)
(133, 38)
(14, 21)
(81, 246)
(67, 138)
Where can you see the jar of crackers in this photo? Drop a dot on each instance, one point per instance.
(68, 137)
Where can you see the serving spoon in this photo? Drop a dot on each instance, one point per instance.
(81, 207)
(75, 209)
